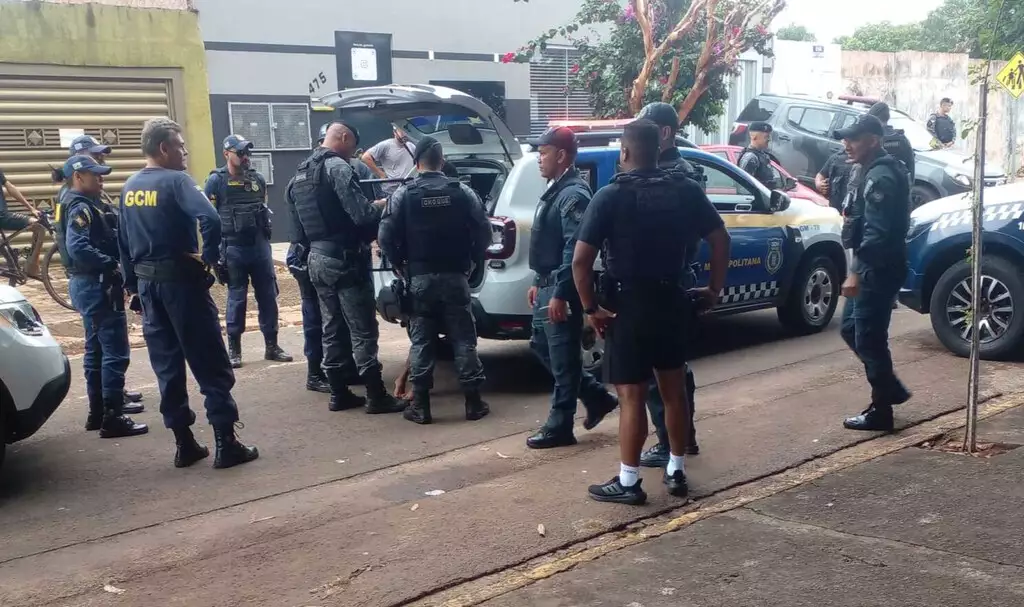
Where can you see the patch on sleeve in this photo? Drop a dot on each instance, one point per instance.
(872, 192)
(573, 208)
(82, 218)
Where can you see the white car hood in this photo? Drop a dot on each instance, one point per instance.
(960, 161)
(10, 295)
(1000, 194)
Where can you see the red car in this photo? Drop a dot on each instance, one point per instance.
(795, 189)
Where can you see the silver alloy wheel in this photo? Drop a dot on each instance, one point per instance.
(818, 294)
(995, 315)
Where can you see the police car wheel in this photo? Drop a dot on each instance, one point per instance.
(920, 194)
(813, 296)
(1001, 329)
(592, 346)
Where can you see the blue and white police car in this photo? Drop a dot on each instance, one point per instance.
(939, 280)
(786, 254)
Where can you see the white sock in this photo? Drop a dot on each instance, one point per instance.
(628, 475)
(675, 462)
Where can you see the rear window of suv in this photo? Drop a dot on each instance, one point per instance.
(758, 109)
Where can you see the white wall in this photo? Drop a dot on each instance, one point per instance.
(799, 70)
(250, 73)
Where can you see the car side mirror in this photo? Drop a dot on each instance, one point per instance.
(789, 184)
(779, 201)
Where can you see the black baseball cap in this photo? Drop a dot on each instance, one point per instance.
(866, 124)
(560, 137)
(84, 144)
(759, 127)
(237, 144)
(82, 163)
(423, 146)
(880, 110)
(661, 114)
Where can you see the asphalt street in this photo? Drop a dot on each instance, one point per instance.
(344, 509)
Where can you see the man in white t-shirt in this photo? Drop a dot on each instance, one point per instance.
(391, 159)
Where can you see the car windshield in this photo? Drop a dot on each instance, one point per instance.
(920, 138)
(433, 124)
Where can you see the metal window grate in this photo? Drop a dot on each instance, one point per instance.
(264, 165)
(252, 121)
(551, 97)
(291, 126)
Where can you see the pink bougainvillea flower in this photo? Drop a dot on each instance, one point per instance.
(575, 69)
(508, 57)
(629, 14)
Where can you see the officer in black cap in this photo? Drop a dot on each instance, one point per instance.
(240, 194)
(894, 142)
(557, 314)
(876, 220)
(755, 159)
(646, 218)
(669, 159)
(434, 230)
(332, 213)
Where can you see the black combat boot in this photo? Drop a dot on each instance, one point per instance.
(235, 350)
(230, 452)
(476, 408)
(274, 352)
(95, 419)
(189, 451)
(418, 410)
(342, 397)
(316, 381)
(378, 400)
(132, 396)
(116, 424)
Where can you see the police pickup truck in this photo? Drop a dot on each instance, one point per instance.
(939, 280)
(786, 254)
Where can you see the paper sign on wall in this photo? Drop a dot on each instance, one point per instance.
(364, 64)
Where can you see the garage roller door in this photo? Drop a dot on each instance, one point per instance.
(39, 116)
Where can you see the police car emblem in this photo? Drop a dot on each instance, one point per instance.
(773, 261)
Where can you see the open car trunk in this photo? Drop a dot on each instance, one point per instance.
(475, 140)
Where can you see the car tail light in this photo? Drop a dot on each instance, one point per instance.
(503, 238)
(23, 317)
(739, 128)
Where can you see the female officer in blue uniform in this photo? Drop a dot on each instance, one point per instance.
(97, 292)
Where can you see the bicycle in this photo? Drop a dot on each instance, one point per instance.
(53, 275)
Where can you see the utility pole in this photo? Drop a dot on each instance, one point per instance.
(977, 212)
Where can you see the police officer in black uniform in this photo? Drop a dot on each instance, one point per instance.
(669, 159)
(754, 158)
(97, 292)
(434, 230)
(557, 326)
(240, 194)
(648, 218)
(162, 263)
(86, 145)
(834, 177)
(875, 228)
(941, 125)
(332, 213)
(894, 142)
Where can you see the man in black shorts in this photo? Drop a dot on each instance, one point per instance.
(646, 218)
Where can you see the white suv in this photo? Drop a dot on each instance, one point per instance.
(34, 372)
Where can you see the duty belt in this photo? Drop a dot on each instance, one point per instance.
(171, 270)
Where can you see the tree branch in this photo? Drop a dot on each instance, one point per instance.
(670, 84)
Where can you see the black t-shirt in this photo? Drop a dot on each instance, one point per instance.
(647, 218)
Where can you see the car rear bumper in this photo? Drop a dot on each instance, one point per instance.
(500, 326)
(911, 298)
(28, 421)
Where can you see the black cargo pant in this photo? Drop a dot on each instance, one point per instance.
(442, 301)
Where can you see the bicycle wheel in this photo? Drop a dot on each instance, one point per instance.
(55, 277)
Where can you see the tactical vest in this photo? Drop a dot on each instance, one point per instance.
(683, 168)
(853, 209)
(546, 239)
(320, 212)
(105, 208)
(102, 233)
(764, 172)
(945, 128)
(893, 142)
(648, 245)
(437, 228)
(241, 206)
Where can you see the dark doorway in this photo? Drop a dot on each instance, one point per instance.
(490, 92)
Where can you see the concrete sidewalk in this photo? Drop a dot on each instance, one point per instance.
(919, 526)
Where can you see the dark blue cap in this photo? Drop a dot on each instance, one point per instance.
(85, 144)
(80, 163)
(237, 143)
(661, 114)
(759, 127)
(866, 124)
(423, 146)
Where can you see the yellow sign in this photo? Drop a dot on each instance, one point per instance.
(1012, 75)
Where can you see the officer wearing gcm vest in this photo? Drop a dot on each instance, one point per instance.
(557, 313)
(331, 212)
(876, 219)
(97, 292)
(755, 159)
(240, 195)
(435, 229)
